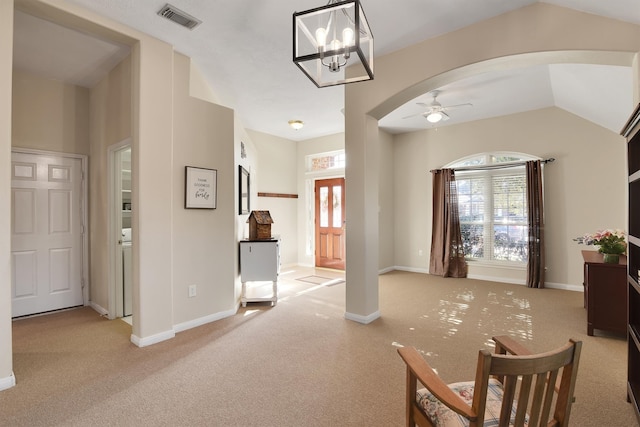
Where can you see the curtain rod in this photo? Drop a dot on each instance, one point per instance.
(495, 166)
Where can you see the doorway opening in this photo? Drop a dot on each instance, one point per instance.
(120, 235)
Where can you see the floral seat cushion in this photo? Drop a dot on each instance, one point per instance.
(445, 417)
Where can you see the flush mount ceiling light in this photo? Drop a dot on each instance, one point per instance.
(333, 44)
(296, 124)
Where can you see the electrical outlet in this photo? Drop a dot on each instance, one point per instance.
(192, 291)
(419, 252)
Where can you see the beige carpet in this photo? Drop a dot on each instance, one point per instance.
(299, 363)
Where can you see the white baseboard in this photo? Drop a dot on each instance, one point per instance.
(7, 382)
(550, 285)
(203, 320)
(564, 286)
(386, 270)
(284, 267)
(410, 269)
(153, 339)
(362, 319)
(497, 279)
(99, 309)
(180, 327)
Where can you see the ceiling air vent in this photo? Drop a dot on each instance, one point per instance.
(174, 14)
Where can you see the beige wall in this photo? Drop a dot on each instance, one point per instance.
(7, 379)
(249, 161)
(304, 181)
(110, 112)
(584, 187)
(531, 35)
(202, 241)
(49, 115)
(281, 169)
(276, 172)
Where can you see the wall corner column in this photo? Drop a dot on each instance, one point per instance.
(7, 380)
(152, 73)
(362, 153)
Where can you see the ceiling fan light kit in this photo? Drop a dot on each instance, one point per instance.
(436, 112)
(333, 44)
(434, 117)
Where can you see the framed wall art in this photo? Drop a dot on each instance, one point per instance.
(200, 188)
(244, 191)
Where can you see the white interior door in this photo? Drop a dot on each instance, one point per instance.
(46, 233)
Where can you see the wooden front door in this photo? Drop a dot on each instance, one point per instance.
(330, 221)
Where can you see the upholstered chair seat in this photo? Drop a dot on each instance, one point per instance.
(442, 416)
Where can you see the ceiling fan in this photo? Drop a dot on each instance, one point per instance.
(435, 111)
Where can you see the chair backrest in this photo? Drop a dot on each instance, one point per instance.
(539, 386)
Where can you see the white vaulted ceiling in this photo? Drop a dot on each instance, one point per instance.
(243, 49)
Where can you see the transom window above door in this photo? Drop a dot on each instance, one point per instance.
(326, 161)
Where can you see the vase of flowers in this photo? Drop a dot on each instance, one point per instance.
(612, 244)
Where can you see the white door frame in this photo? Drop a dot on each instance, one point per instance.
(84, 161)
(114, 224)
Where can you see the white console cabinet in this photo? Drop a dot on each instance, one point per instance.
(259, 262)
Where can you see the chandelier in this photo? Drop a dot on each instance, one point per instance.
(333, 44)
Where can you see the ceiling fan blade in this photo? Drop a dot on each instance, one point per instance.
(422, 104)
(415, 115)
(450, 107)
(445, 116)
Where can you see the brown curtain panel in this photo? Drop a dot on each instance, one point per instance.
(447, 255)
(535, 266)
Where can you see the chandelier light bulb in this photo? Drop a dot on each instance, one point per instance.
(321, 37)
(347, 37)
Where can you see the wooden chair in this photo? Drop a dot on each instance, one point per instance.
(513, 386)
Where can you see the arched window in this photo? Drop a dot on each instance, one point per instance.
(492, 204)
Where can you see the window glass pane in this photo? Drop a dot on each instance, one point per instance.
(509, 243)
(471, 162)
(505, 159)
(509, 198)
(472, 240)
(332, 161)
(337, 206)
(510, 217)
(471, 199)
(471, 205)
(324, 206)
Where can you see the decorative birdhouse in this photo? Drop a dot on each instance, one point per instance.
(260, 225)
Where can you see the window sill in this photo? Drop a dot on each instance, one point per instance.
(506, 265)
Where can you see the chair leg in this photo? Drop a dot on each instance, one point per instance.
(410, 398)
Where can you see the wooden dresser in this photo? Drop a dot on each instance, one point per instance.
(605, 293)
